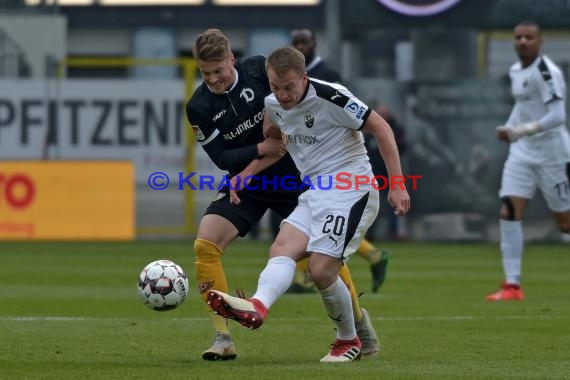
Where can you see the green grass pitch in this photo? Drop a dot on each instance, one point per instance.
(71, 311)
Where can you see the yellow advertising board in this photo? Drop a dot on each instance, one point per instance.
(67, 200)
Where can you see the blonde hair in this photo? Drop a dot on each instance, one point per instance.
(285, 59)
(211, 45)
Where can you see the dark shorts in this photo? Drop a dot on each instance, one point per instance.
(254, 203)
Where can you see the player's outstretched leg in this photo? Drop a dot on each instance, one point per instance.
(248, 312)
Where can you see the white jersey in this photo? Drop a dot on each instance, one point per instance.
(323, 131)
(533, 87)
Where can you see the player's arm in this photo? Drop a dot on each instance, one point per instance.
(555, 116)
(273, 134)
(382, 132)
(212, 141)
(550, 86)
(259, 165)
(501, 131)
(231, 160)
(269, 128)
(251, 170)
(273, 138)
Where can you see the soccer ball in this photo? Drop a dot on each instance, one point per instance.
(163, 285)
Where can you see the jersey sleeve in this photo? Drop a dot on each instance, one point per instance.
(550, 82)
(347, 110)
(233, 160)
(203, 131)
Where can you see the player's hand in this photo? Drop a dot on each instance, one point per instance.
(234, 199)
(237, 183)
(506, 133)
(273, 147)
(400, 200)
(509, 133)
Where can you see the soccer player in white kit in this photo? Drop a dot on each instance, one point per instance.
(321, 123)
(539, 152)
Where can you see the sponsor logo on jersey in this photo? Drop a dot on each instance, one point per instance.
(218, 115)
(218, 196)
(198, 133)
(337, 97)
(309, 119)
(302, 139)
(246, 125)
(360, 112)
(352, 107)
(334, 240)
(248, 94)
(279, 115)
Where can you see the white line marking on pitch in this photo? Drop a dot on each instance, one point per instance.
(397, 319)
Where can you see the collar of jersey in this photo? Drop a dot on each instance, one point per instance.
(532, 65)
(231, 88)
(536, 61)
(306, 91)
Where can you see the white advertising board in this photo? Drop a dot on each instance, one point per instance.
(95, 119)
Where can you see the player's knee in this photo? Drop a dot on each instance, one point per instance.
(277, 248)
(322, 276)
(288, 245)
(206, 251)
(318, 276)
(507, 211)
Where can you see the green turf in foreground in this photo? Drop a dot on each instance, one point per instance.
(70, 311)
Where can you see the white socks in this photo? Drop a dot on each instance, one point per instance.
(511, 249)
(275, 279)
(339, 308)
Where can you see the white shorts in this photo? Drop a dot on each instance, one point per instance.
(335, 220)
(521, 179)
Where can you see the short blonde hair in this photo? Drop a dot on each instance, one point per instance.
(284, 60)
(212, 45)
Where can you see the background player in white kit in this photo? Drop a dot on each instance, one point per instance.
(539, 154)
(320, 122)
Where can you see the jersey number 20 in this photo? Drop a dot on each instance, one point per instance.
(334, 224)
